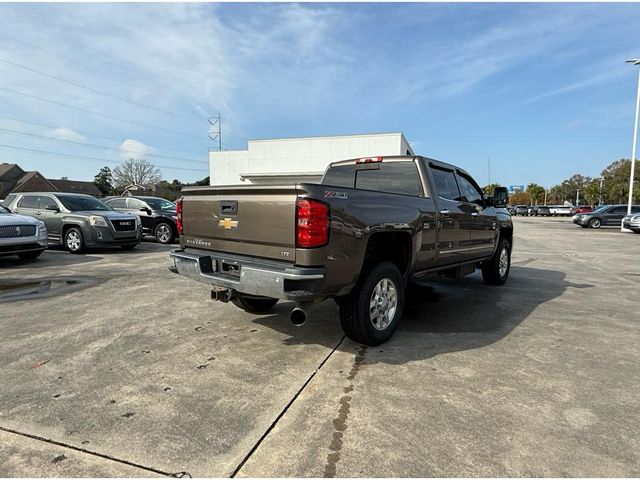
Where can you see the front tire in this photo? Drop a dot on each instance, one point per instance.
(74, 241)
(370, 313)
(29, 255)
(254, 305)
(496, 270)
(595, 223)
(164, 233)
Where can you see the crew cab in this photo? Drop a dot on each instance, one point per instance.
(359, 237)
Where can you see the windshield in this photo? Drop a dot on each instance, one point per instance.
(4, 211)
(160, 204)
(81, 204)
(600, 208)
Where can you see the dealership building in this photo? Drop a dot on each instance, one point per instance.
(289, 160)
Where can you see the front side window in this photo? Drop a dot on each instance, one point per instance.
(446, 184)
(83, 204)
(28, 201)
(47, 202)
(135, 204)
(469, 191)
(117, 203)
(391, 177)
(160, 204)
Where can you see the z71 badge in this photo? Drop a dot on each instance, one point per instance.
(331, 194)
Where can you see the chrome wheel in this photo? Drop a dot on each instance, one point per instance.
(163, 233)
(503, 264)
(383, 304)
(74, 242)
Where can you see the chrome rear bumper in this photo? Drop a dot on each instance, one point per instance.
(248, 275)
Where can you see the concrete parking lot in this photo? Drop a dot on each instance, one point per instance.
(132, 371)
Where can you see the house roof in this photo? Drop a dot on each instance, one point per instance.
(76, 186)
(6, 168)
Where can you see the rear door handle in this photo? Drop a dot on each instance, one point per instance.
(445, 213)
(474, 214)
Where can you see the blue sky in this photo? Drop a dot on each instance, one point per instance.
(541, 89)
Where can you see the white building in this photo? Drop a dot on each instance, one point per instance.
(298, 159)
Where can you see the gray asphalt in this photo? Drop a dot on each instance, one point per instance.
(132, 371)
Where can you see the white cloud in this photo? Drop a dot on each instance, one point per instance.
(134, 148)
(63, 133)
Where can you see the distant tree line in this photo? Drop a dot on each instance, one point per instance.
(139, 172)
(612, 186)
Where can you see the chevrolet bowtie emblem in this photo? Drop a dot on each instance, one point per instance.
(228, 224)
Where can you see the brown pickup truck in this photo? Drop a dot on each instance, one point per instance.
(359, 237)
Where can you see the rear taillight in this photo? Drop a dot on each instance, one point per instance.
(312, 223)
(179, 215)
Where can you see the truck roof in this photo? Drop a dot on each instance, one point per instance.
(431, 161)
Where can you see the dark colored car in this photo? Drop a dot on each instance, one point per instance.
(605, 215)
(79, 221)
(543, 211)
(521, 210)
(158, 215)
(359, 237)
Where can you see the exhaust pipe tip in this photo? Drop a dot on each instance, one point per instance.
(298, 316)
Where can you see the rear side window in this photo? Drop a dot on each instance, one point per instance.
(391, 177)
(28, 201)
(446, 184)
(341, 176)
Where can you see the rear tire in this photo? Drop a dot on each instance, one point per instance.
(254, 305)
(74, 241)
(370, 313)
(496, 270)
(29, 255)
(164, 233)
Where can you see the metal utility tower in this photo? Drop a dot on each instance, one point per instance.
(215, 133)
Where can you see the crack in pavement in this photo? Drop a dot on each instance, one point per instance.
(285, 409)
(95, 454)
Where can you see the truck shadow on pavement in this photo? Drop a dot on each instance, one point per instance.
(441, 316)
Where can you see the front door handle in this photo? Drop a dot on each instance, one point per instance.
(474, 214)
(445, 213)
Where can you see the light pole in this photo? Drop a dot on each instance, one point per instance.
(635, 62)
(601, 182)
(578, 197)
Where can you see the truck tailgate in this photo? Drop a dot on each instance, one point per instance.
(249, 220)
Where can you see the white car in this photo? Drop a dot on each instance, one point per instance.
(23, 236)
(632, 222)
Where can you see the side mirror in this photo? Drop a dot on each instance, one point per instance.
(500, 197)
(146, 210)
(52, 208)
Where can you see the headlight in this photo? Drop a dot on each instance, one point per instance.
(97, 221)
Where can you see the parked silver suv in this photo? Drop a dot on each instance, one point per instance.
(22, 236)
(79, 221)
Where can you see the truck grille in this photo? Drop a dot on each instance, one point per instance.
(16, 231)
(124, 225)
